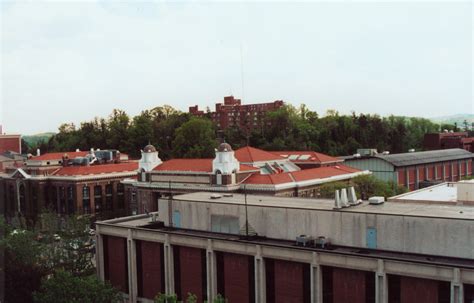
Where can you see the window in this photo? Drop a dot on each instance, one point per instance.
(98, 198)
(11, 194)
(70, 199)
(62, 200)
(86, 200)
(109, 197)
(120, 196)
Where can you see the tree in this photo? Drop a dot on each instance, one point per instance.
(117, 126)
(195, 139)
(54, 244)
(367, 186)
(64, 287)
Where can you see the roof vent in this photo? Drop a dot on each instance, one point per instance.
(353, 197)
(411, 150)
(228, 195)
(337, 200)
(216, 196)
(377, 200)
(344, 200)
(386, 152)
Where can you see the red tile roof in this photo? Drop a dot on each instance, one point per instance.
(249, 154)
(195, 165)
(244, 167)
(322, 172)
(97, 169)
(314, 157)
(59, 156)
(269, 179)
(302, 175)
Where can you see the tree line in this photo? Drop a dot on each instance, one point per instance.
(178, 134)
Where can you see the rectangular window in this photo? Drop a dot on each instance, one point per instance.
(62, 200)
(98, 198)
(86, 200)
(70, 199)
(120, 196)
(109, 197)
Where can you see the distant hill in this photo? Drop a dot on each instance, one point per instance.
(459, 119)
(32, 140)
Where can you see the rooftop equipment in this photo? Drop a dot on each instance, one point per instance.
(304, 240)
(377, 200)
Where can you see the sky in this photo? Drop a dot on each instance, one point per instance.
(71, 61)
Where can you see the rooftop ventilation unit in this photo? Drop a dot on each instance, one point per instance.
(377, 200)
(304, 240)
(322, 242)
(228, 195)
(337, 200)
(216, 196)
(352, 197)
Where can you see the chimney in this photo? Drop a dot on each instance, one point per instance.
(92, 150)
(38, 152)
(77, 150)
(344, 201)
(65, 160)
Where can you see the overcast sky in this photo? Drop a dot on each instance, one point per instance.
(68, 61)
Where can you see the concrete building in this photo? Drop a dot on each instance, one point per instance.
(198, 243)
(446, 140)
(246, 169)
(233, 114)
(81, 182)
(414, 169)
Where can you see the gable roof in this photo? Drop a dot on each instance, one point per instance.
(249, 154)
(96, 169)
(406, 159)
(306, 157)
(59, 156)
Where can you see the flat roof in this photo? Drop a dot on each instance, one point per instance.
(414, 209)
(143, 222)
(444, 192)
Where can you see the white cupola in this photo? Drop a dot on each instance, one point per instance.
(149, 158)
(225, 161)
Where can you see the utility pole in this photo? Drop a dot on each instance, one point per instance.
(246, 212)
(170, 205)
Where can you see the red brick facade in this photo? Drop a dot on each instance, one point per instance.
(10, 143)
(411, 176)
(233, 113)
(448, 140)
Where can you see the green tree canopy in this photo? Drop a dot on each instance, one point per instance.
(64, 287)
(195, 139)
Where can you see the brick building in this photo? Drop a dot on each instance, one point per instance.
(247, 169)
(69, 183)
(232, 113)
(446, 140)
(417, 169)
(10, 143)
